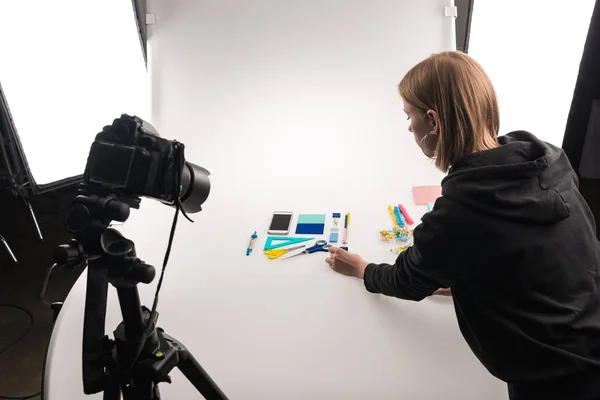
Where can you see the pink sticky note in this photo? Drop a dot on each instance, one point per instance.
(426, 194)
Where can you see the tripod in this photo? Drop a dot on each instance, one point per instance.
(141, 355)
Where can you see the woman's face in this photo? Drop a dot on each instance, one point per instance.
(420, 125)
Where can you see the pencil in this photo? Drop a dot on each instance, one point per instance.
(346, 225)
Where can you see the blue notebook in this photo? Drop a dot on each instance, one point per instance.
(310, 229)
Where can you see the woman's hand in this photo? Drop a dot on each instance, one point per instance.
(346, 263)
(443, 292)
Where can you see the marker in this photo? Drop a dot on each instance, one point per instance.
(407, 217)
(391, 211)
(251, 244)
(401, 223)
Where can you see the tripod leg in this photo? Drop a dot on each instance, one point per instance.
(194, 372)
(37, 227)
(94, 346)
(144, 390)
(7, 247)
(112, 391)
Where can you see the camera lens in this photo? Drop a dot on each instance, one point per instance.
(195, 187)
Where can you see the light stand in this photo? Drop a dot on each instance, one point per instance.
(14, 175)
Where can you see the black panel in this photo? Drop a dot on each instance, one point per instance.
(463, 24)
(587, 89)
(139, 7)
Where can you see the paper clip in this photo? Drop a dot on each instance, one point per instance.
(402, 234)
(398, 250)
(336, 219)
(386, 235)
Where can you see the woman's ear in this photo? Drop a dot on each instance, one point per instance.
(434, 120)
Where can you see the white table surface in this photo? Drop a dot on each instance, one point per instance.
(283, 123)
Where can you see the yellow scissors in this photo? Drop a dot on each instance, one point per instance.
(276, 253)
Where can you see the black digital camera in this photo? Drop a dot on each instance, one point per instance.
(130, 158)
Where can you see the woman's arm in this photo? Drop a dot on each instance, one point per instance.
(420, 271)
(408, 278)
(392, 280)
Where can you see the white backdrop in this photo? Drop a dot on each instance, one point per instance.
(291, 106)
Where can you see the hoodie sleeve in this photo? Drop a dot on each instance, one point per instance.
(430, 264)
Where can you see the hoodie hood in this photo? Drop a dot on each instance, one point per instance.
(524, 179)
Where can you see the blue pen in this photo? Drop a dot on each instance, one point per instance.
(399, 218)
(251, 244)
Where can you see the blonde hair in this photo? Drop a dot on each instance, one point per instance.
(456, 87)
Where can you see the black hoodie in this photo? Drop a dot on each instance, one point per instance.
(516, 242)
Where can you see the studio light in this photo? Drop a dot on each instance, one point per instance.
(65, 70)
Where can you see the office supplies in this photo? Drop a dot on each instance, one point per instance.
(276, 253)
(251, 244)
(311, 218)
(320, 245)
(287, 241)
(399, 219)
(401, 234)
(336, 219)
(407, 217)
(333, 236)
(426, 194)
(386, 235)
(391, 212)
(280, 223)
(334, 231)
(310, 229)
(398, 249)
(310, 224)
(346, 225)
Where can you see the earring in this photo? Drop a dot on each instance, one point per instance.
(430, 153)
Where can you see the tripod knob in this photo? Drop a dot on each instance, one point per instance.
(78, 218)
(142, 272)
(69, 254)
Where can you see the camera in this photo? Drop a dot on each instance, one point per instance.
(130, 158)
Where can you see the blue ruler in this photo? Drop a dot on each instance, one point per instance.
(284, 241)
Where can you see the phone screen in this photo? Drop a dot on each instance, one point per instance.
(280, 222)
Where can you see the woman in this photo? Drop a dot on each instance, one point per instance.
(511, 236)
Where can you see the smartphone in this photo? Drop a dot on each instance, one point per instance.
(280, 223)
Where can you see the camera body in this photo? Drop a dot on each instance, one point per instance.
(130, 158)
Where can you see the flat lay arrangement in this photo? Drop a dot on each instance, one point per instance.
(278, 245)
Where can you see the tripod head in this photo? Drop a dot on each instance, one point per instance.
(88, 219)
